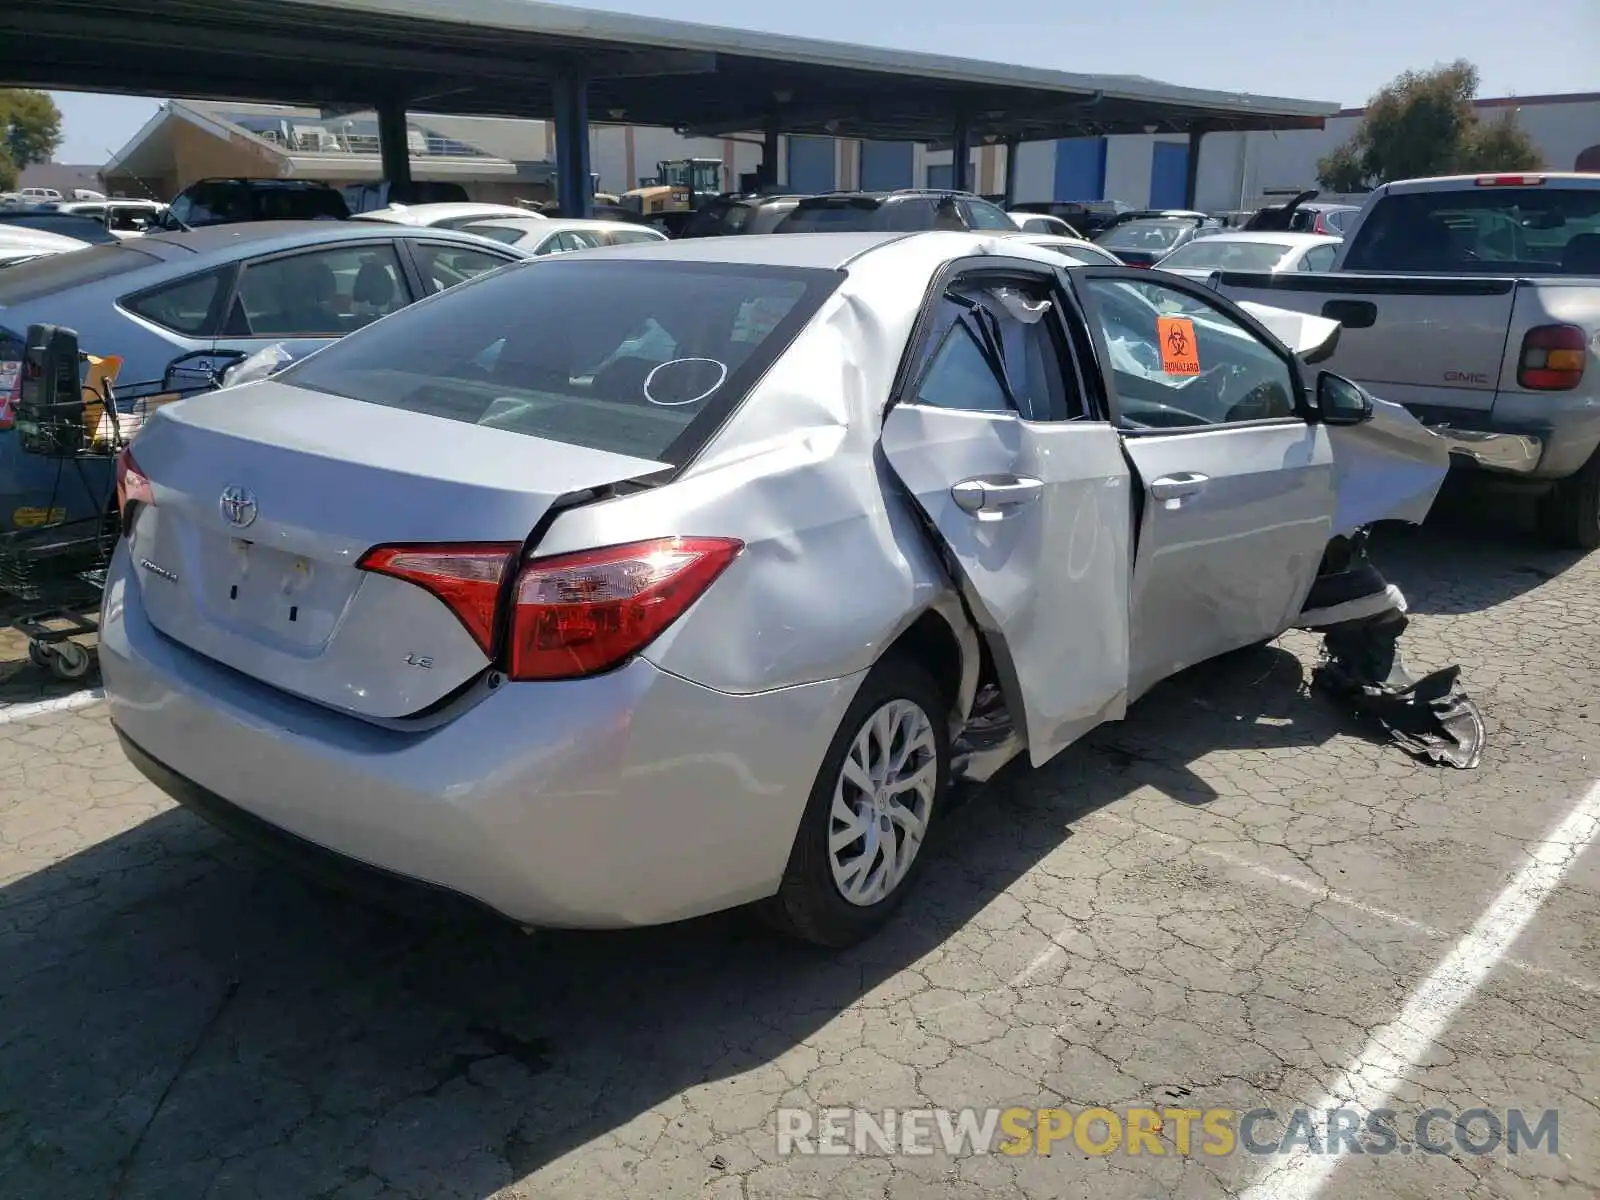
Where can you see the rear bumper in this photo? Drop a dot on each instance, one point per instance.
(1512, 453)
(632, 798)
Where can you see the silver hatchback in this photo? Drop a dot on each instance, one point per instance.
(626, 586)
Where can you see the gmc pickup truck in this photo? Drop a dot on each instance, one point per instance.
(1474, 301)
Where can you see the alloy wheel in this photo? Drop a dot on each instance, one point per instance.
(882, 801)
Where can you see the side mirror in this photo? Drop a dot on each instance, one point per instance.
(1340, 402)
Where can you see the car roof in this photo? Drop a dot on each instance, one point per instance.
(892, 194)
(252, 237)
(822, 251)
(443, 210)
(263, 181)
(14, 236)
(1276, 237)
(1055, 239)
(556, 224)
(1439, 183)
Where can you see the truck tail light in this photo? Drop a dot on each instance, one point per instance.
(10, 392)
(579, 614)
(1552, 358)
(1510, 180)
(467, 577)
(133, 485)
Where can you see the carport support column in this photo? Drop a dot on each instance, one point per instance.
(961, 157)
(768, 174)
(1191, 168)
(393, 148)
(574, 189)
(1012, 146)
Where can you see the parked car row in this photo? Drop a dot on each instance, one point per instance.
(212, 296)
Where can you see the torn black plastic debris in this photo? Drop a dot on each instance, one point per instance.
(1361, 617)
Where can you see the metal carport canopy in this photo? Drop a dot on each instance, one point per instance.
(502, 57)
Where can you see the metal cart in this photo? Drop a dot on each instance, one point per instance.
(54, 574)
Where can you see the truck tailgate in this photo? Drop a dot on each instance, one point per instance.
(1427, 341)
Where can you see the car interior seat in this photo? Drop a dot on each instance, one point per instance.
(1582, 255)
(373, 293)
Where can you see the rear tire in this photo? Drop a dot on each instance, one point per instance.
(1570, 513)
(885, 778)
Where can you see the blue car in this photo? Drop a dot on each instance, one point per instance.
(224, 291)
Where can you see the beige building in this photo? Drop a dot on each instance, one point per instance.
(494, 159)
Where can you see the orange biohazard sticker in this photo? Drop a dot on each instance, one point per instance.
(1180, 351)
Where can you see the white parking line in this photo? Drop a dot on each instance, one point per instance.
(1369, 1080)
(56, 704)
(1321, 892)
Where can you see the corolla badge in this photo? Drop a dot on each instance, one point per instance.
(238, 506)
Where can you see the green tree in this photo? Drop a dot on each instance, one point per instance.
(1424, 123)
(1341, 170)
(30, 126)
(8, 172)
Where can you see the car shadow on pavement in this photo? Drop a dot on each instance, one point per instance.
(1478, 549)
(180, 1018)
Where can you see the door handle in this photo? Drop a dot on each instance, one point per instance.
(994, 496)
(1352, 314)
(1184, 483)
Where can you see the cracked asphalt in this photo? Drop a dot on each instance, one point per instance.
(1214, 904)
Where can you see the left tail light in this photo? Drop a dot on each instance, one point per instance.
(466, 577)
(1552, 358)
(10, 392)
(572, 614)
(580, 614)
(133, 485)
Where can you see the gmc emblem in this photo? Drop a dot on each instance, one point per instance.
(1478, 377)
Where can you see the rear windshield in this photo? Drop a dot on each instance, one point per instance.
(846, 217)
(510, 235)
(1158, 234)
(1544, 230)
(1225, 254)
(85, 229)
(218, 203)
(635, 357)
(57, 272)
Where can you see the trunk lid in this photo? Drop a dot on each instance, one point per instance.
(1416, 340)
(267, 496)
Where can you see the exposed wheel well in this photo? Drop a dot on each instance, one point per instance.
(930, 641)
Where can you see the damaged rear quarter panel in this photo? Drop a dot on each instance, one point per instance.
(836, 564)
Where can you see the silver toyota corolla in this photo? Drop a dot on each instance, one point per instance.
(626, 586)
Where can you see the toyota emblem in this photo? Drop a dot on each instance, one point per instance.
(238, 506)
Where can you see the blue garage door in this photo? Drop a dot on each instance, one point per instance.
(1080, 169)
(941, 177)
(1169, 175)
(886, 166)
(811, 164)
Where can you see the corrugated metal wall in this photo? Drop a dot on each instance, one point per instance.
(887, 165)
(1080, 169)
(1169, 170)
(812, 162)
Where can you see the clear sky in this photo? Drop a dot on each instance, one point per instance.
(1340, 50)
